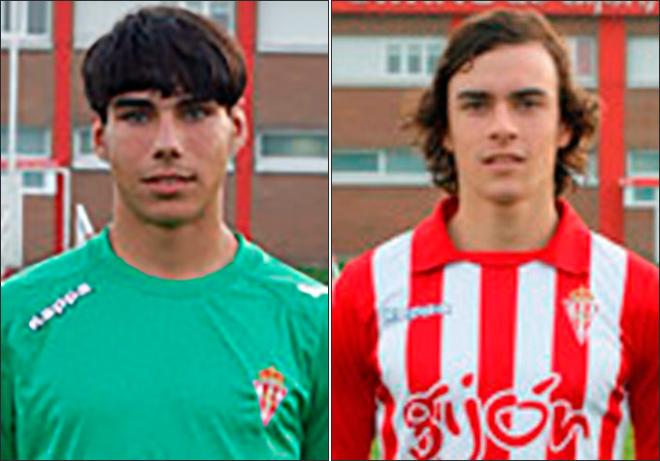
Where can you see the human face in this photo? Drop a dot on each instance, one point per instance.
(504, 124)
(168, 155)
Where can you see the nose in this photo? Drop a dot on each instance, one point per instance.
(167, 143)
(503, 128)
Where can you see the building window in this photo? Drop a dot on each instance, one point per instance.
(221, 12)
(31, 142)
(388, 61)
(401, 166)
(582, 50)
(5, 17)
(33, 22)
(293, 27)
(93, 18)
(641, 163)
(393, 58)
(643, 59)
(292, 152)
(84, 157)
(420, 56)
(590, 176)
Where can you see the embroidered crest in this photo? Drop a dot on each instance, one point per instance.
(270, 391)
(581, 307)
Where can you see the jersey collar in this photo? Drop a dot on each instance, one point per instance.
(567, 250)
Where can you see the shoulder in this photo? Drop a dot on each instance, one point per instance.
(395, 249)
(612, 255)
(357, 283)
(39, 286)
(620, 266)
(279, 280)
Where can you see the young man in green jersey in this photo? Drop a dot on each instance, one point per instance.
(167, 336)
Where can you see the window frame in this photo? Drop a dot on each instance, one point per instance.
(297, 165)
(637, 83)
(587, 81)
(86, 160)
(381, 77)
(629, 197)
(50, 185)
(25, 40)
(378, 178)
(206, 11)
(274, 47)
(591, 177)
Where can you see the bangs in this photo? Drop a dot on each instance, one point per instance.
(164, 53)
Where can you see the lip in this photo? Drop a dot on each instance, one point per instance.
(503, 160)
(169, 183)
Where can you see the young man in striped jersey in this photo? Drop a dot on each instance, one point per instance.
(167, 336)
(500, 327)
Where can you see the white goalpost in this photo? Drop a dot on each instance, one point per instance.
(12, 222)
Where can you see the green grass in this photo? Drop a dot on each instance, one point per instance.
(316, 273)
(629, 446)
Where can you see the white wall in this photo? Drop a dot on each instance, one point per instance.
(297, 27)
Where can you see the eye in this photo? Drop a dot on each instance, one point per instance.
(137, 117)
(528, 103)
(195, 112)
(474, 105)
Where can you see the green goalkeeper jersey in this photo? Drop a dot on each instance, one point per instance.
(101, 361)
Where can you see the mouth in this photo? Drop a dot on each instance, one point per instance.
(503, 159)
(169, 183)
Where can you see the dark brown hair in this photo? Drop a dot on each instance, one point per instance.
(165, 49)
(579, 110)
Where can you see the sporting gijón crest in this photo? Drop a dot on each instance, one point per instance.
(581, 307)
(270, 391)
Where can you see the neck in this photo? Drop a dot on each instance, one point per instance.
(185, 252)
(486, 226)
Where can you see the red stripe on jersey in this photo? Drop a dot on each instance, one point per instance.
(354, 374)
(496, 350)
(423, 342)
(611, 419)
(569, 360)
(640, 323)
(387, 432)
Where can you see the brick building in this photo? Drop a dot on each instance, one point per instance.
(283, 190)
(384, 53)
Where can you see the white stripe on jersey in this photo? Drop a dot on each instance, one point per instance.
(533, 348)
(460, 345)
(608, 274)
(391, 272)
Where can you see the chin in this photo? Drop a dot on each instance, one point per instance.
(504, 197)
(171, 219)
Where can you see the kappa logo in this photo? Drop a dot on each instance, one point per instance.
(581, 308)
(59, 307)
(391, 315)
(270, 391)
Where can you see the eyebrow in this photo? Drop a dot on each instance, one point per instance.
(132, 103)
(518, 94)
(124, 102)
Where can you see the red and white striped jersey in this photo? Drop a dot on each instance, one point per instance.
(443, 354)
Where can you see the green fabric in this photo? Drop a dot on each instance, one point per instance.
(137, 367)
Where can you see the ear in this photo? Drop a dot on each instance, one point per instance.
(240, 129)
(98, 139)
(564, 135)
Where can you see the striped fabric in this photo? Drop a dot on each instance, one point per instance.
(447, 355)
